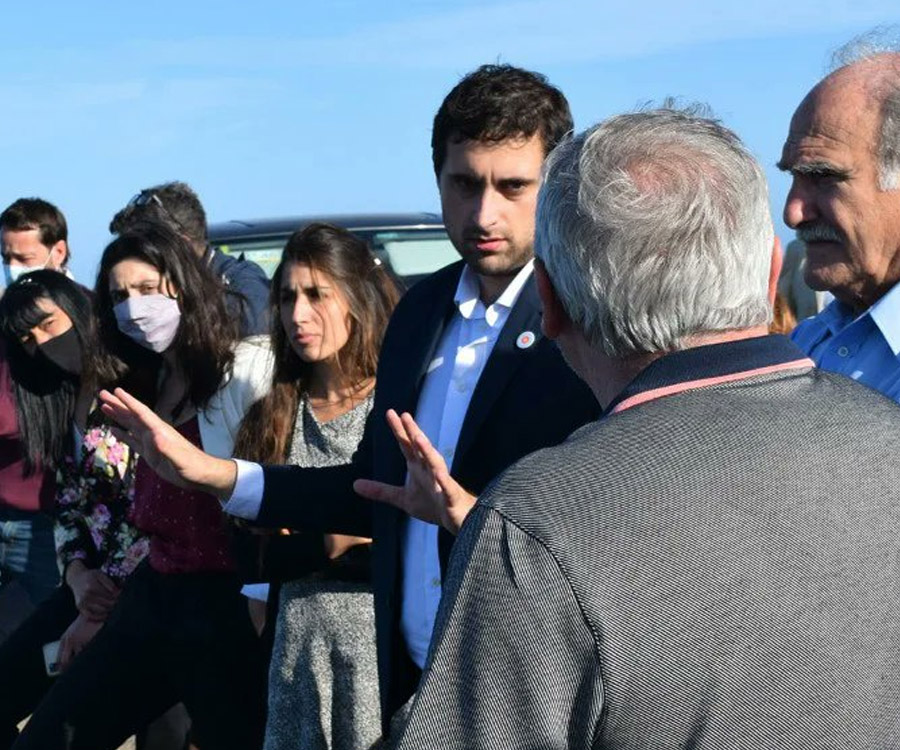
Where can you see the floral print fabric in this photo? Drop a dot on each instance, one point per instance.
(94, 505)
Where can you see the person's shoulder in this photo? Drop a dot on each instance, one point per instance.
(836, 391)
(539, 476)
(423, 291)
(253, 349)
(227, 265)
(420, 300)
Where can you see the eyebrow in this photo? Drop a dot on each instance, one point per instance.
(465, 174)
(814, 169)
(291, 288)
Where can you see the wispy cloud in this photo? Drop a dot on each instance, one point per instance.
(536, 32)
(143, 112)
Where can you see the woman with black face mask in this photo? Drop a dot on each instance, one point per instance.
(180, 630)
(48, 330)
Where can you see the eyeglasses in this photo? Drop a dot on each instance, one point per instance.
(150, 198)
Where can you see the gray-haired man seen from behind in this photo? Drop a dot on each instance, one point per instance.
(681, 573)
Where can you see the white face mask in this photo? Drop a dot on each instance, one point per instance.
(150, 320)
(11, 273)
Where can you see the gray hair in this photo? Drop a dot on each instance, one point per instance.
(881, 42)
(655, 226)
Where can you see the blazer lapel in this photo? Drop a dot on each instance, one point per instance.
(423, 342)
(505, 359)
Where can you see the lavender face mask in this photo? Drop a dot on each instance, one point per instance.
(150, 320)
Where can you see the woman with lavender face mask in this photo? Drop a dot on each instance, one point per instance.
(150, 320)
(180, 631)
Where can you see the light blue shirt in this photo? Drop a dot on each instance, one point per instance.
(865, 347)
(449, 382)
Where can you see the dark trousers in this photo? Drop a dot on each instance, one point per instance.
(23, 678)
(171, 638)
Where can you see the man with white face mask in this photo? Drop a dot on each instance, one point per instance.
(32, 236)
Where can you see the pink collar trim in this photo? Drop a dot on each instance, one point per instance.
(669, 390)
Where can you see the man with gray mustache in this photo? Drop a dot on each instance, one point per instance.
(843, 153)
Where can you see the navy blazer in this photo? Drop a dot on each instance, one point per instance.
(526, 399)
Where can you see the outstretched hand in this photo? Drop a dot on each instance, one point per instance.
(168, 453)
(430, 493)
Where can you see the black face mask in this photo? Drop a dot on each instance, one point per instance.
(62, 353)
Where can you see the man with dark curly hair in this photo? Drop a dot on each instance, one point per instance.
(463, 353)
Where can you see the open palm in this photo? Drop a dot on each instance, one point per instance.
(430, 493)
(168, 453)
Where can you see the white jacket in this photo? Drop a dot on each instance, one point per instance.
(251, 379)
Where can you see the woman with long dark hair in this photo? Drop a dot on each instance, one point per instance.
(47, 327)
(331, 301)
(180, 630)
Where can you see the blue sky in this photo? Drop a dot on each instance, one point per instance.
(278, 108)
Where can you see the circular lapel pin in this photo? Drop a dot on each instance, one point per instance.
(526, 339)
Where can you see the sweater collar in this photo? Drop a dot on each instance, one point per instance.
(708, 365)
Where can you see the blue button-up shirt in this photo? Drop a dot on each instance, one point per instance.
(865, 347)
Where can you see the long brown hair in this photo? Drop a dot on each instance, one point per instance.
(206, 336)
(371, 295)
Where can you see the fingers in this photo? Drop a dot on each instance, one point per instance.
(429, 454)
(397, 427)
(108, 584)
(99, 602)
(66, 652)
(143, 412)
(96, 606)
(383, 493)
(94, 610)
(114, 408)
(127, 410)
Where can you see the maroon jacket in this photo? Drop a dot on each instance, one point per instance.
(16, 490)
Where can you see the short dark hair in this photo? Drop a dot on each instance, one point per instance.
(176, 205)
(36, 213)
(497, 102)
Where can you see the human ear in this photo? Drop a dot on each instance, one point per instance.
(555, 320)
(775, 269)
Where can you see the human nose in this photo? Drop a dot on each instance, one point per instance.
(302, 310)
(799, 206)
(487, 208)
(37, 338)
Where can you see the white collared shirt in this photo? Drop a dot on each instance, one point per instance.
(449, 382)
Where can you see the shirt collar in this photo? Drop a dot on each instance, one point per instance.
(836, 316)
(707, 365)
(885, 314)
(468, 300)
